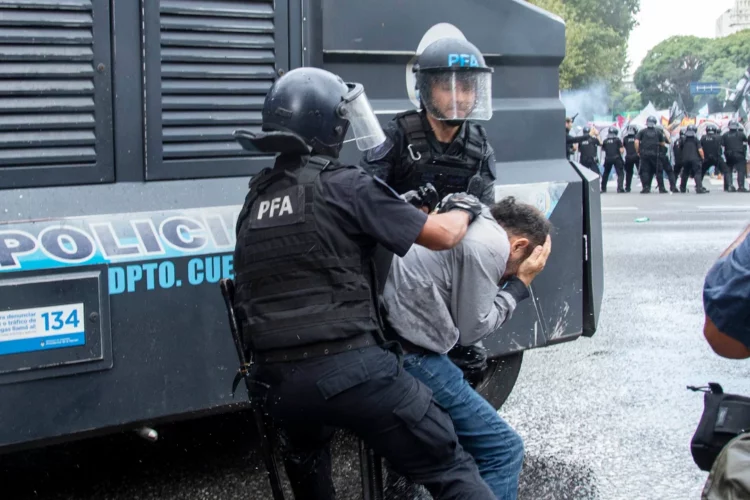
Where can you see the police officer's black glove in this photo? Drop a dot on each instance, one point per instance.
(462, 201)
(424, 197)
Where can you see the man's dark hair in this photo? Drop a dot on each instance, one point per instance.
(523, 220)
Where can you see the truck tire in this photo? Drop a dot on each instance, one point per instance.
(499, 378)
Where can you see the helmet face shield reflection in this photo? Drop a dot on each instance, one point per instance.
(364, 125)
(456, 95)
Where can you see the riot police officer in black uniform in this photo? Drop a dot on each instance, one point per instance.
(665, 166)
(306, 293)
(647, 144)
(692, 158)
(631, 156)
(571, 141)
(613, 150)
(441, 144)
(589, 150)
(711, 143)
(677, 153)
(735, 149)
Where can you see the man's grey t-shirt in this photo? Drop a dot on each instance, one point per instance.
(438, 298)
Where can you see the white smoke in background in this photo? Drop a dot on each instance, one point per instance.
(586, 103)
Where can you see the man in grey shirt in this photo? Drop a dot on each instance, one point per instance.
(437, 299)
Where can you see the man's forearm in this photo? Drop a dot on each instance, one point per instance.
(505, 302)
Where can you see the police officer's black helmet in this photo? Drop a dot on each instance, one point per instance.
(613, 131)
(632, 130)
(586, 130)
(309, 110)
(691, 131)
(682, 132)
(651, 122)
(456, 68)
(711, 128)
(734, 125)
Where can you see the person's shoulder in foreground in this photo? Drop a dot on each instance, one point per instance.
(726, 300)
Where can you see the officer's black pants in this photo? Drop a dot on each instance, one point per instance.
(712, 161)
(677, 170)
(368, 392)
(737, 163)
(647, 171)
(665, 166)
(631, 163)
(590, 163)
(608, 164)
(694, 167)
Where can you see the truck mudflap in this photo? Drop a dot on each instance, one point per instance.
(593, 262)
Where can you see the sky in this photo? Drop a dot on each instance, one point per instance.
(661, 19)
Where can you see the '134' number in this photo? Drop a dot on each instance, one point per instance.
(57, 321)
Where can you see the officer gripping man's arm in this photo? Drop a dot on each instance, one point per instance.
(442, 144)
(306, 293)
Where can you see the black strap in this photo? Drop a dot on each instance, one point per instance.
(315, 350)
(416, 137)
(311, 299)
(348, 315)
(264, 269)
(475, 145)
(324, 280)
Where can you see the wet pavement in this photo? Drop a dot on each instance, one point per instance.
(602, 418)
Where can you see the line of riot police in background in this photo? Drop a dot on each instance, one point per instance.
(675, 154)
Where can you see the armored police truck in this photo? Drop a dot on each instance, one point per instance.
(120, 183)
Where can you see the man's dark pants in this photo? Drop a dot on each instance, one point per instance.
(647, 171)
(712, 161)
(631, 162)
(368, 392)
(665, 167)
(737, 163)
(608, 164)
(590, 163)
(694, 167)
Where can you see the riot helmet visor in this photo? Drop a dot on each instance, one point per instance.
(364, 125)
(462, 94)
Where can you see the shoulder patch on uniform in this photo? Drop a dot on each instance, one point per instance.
(379, 152)
(384, 186)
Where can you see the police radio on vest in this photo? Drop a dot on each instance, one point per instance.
(464, 60)
(284, 205)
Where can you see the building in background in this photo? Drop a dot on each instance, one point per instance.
(735, 19)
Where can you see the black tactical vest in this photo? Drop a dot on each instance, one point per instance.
(711, 144)
(300, 280)
(690, 147)
(677, 151)
(629, 143)
(649, 146)
(735, 144)
(419, 165)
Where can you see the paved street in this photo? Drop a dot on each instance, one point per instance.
(603, 418)
(614, 408)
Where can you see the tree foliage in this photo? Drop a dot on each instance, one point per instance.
(667, 70)
(596, 35)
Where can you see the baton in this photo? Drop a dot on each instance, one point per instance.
(227, 290)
